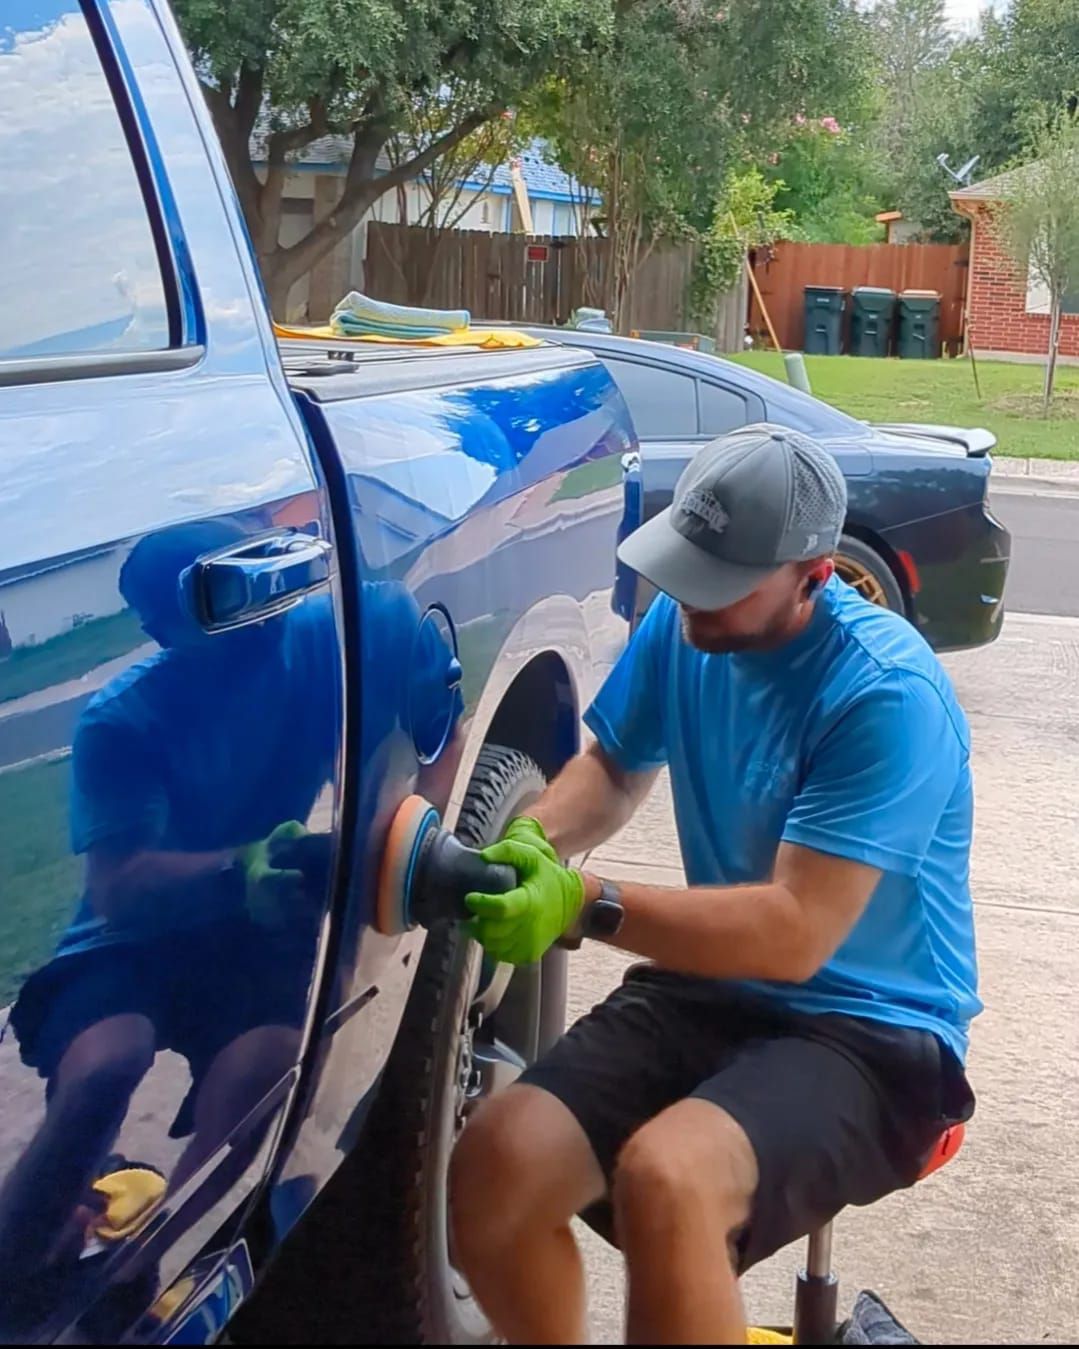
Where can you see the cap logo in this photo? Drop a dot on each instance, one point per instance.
(705, 507)
(812, 540)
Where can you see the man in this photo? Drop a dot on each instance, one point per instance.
(795, 1043)
(179, 810)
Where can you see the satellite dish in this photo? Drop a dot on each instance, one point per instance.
(963, 175)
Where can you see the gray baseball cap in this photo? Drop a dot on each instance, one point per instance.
(747, 504)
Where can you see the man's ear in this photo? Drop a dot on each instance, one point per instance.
(818, 576)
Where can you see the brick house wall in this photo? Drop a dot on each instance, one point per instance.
(997, 299)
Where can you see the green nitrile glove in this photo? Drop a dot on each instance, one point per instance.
(270, 892)
(524, 829)
(522, 925)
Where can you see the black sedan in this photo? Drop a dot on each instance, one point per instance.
(920, 537)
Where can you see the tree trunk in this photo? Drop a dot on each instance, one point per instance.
(363, 187)
(1051, 358)
(277, 283)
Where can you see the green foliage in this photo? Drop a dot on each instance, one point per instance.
(354, 60)
(682, 93)
(1039, 223)
(745, 217)
(303, 69)
(828, 180)
(1019, 70)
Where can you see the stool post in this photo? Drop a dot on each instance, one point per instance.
(817, 1296)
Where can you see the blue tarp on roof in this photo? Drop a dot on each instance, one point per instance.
(544, 181)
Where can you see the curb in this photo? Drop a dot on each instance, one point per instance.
(1021, 485)
(1041, 472)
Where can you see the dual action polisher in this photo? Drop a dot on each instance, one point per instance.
(426, 872)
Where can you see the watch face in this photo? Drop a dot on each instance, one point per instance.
(605, 918)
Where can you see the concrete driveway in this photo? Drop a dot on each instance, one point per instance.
(986, 1251)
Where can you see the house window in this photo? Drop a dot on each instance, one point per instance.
(485, 213)
(564, 222)
(1038, 296)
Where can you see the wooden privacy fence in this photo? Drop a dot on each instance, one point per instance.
(784, 273)
(521, 279)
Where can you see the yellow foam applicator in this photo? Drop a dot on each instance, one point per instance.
(132, 1197)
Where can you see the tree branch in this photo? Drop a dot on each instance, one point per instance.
(249, 99)
(362, 188)
(236, 144)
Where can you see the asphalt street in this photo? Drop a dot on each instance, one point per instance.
(1044, 574)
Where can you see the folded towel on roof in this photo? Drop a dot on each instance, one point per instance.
(358, 314)
(488, 338)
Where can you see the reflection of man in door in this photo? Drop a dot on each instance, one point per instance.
(191, 934)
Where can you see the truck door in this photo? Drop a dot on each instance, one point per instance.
(170, 685)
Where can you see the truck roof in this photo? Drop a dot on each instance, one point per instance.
(328, 371)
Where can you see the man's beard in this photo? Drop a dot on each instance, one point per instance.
(696, 633)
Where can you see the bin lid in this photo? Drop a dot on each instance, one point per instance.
(919, 295)
(828, 290)
(873, 290)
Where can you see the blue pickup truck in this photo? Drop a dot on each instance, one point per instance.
(251, 596)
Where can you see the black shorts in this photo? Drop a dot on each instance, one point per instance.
(838, 1110)
(200, 989)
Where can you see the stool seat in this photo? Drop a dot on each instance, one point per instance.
(944, 1149)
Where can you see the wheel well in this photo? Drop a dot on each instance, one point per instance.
(887, 552)
(538, 715)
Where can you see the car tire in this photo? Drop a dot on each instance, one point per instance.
(374, 1264)
(863, 567)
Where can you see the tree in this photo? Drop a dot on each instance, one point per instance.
(943, 123)
(744, 218)
(912, 39)
(294, 71)
(447, 188)
(683, 92)
(1039, 225)
(828, 179)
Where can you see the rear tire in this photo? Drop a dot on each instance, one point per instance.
(373, 1264)
(863, 568)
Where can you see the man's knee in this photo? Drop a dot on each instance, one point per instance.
(522, 1161)
(107, 1061)
(690, 1156)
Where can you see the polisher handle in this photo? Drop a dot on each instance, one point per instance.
(485, 878)
(446, 871)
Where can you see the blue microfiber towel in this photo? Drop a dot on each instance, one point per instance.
(357, 315)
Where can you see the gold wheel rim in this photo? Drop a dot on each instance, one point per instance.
(862, 579)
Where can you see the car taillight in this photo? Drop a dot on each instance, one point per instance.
(910, 571)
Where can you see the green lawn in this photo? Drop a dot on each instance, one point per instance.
(70, 654)
(943, 391)
(39, 876)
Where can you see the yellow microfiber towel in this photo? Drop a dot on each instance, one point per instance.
(758, 1335)
(489, 339)
(133, 1195)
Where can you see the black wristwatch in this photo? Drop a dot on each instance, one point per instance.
(601, 919)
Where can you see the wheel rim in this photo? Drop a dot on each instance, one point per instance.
(481, 1069)
(862, 579)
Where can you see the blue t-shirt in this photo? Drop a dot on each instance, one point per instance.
(201, 749)
(848, 740)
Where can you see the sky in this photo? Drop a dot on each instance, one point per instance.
(964, 13)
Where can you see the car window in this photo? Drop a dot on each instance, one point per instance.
(662, 403)
(79, 272)
(722, 410)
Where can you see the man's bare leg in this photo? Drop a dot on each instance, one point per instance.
(684, 1183)
(522, 1170)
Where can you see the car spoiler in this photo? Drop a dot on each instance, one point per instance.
(975, 441)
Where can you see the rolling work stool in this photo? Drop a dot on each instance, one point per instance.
(817, 1295)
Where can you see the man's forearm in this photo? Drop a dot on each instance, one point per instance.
(730, 932)
(589, 801)
(120, 886)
